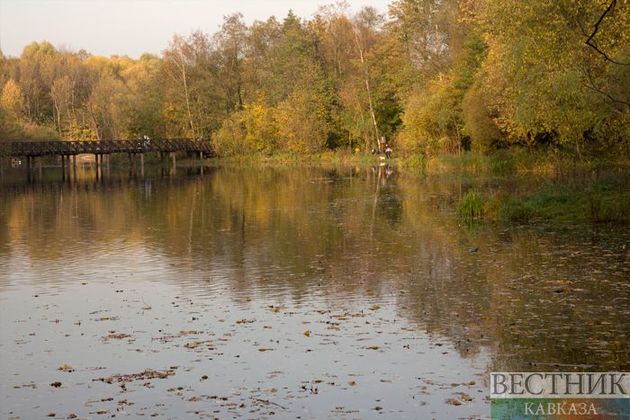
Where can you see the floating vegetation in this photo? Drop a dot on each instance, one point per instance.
(140, 376)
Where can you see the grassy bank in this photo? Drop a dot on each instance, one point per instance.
(587, 201)
(585, 198)
(547, 187)
(511, 162)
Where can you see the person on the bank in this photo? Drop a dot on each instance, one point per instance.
(388, 151)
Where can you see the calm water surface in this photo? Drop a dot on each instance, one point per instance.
(290, 293)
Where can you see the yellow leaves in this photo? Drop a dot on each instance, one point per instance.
(307, 333)
(66, 368)
(12, 100)
(260, 126)
(294, 125)
(299, 125)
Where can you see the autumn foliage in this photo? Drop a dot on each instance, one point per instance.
(431, 76)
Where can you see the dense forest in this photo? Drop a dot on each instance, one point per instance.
(431, 76)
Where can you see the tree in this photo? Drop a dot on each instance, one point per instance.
(545, 81)
(12, 101)
(178, 60)
(37, 72)
(230, 44)
(301, 126)
(61, 92)
(365, 26)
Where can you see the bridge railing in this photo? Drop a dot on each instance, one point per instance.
(53, 148)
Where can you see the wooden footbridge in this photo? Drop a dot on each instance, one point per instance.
(29, 150)
(102, 147)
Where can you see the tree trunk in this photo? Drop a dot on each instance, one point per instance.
(367, 87)
(187, 96)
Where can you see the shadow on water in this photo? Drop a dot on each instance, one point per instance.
(385, 247)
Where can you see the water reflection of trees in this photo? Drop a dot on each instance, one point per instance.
(530, 296)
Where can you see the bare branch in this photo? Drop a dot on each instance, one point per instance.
(591, 41)
(591, 85)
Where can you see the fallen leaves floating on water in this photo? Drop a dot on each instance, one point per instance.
(116, 336)
(66, 368)
(194, 344)
(107, 318)
(141, 376)
(466, 397)
(56, 384)
(307, 333)
(31, 385)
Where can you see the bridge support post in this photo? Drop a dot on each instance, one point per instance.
(63, 167)
(201, 161)
(29, 174)
(39, 167)
(174, 160)
(142, 165)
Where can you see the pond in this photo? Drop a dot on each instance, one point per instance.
(298, 292)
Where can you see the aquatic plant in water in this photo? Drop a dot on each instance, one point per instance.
(471, 206)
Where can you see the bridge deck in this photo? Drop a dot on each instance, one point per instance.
(101, 147)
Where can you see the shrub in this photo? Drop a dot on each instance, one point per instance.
(229, 140)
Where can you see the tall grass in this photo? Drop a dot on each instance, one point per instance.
(471, 206)
(417, 163)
